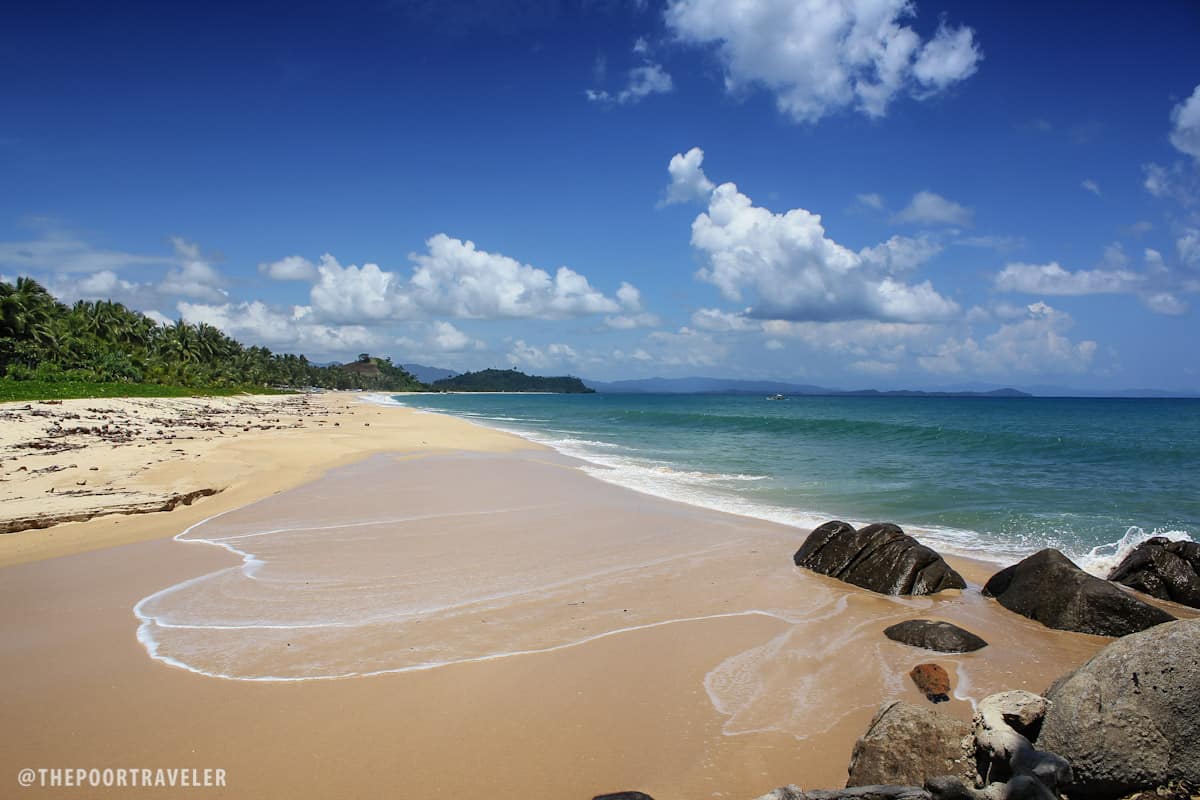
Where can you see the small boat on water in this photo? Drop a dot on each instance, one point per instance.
(776, 397)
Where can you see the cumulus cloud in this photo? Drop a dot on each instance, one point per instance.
(291, 268)
(632, 314)
(1157, 285)
(1091, 186)
(453, 278)
(930, 208)
(788, 269)
(439, 337)
(821, 56)
(295, 330)
(194, 277)
(1052, 279)
(901, 253)
(714, 319)
(1036, 344)
(688, 181)
(1185, 126)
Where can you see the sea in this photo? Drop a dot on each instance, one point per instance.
(989, 478)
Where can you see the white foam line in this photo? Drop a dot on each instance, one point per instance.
(473, 660)
(393, 617)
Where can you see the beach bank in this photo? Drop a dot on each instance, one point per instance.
(532, 632)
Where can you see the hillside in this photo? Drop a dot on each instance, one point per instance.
(102, 348)
(509, 380)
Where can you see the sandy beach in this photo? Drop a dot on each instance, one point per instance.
(405, 604)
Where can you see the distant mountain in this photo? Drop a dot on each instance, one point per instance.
(701, 386)
(729, 386)
(429, 374)
(509, 380)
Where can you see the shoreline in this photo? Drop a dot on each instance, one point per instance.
(663, 646)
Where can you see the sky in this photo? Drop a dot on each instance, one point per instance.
(852, 193)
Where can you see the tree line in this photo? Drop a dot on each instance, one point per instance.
(100, 341)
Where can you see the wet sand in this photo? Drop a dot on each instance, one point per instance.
(677, 650)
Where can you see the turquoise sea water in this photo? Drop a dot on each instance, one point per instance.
(993, 478)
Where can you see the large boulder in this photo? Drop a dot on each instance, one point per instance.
(1163, 569)
(906, 744)
(1129, 719)
(879, 557)
(934, 635)
(1049, 588)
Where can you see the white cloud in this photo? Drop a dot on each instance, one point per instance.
(633, 315)
(871, 367)
(686, 347)
(1188, 248)
(59, 251)
(930, 208)
(534, 357)
(1034, 345)
(865, 340)
(194, 277)
(1165, 303)
(871, 200)
(296, 331)
(792, 271)
(821, 56)
(1091, 186)
(713, 319)
(644, 80)
(439, 337)
(901, 253)
(1052, 279)
(291, 268)
(948, 58)
(688, 181)
(1185, 126)
(454, 278)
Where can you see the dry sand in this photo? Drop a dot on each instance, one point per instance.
(711, 706)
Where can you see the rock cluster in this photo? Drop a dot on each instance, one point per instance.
(879, 557)
(1049, 588)
(1163, 569)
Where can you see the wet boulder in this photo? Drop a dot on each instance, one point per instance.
(934, 635)
(879, 557)
(1049, 588)
(1129, 719)
(933, 681)
(1163, 569)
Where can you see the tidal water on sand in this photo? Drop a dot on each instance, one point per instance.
(993, 478)
(451, 561)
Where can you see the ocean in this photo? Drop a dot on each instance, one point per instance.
(990, 478)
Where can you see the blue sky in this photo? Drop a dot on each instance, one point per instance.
(845, 192)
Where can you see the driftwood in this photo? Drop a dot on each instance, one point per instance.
(148, 507)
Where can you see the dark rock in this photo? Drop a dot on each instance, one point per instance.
(934, 635)
(889, 792)
(879, 557)
(948, 787)
(1049, 588)
(623, 796)
(933, 682)
(907, 744)
(1163, 569)
(1129, 719)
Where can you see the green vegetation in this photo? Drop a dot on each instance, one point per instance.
(101, 348)
(509, 380)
